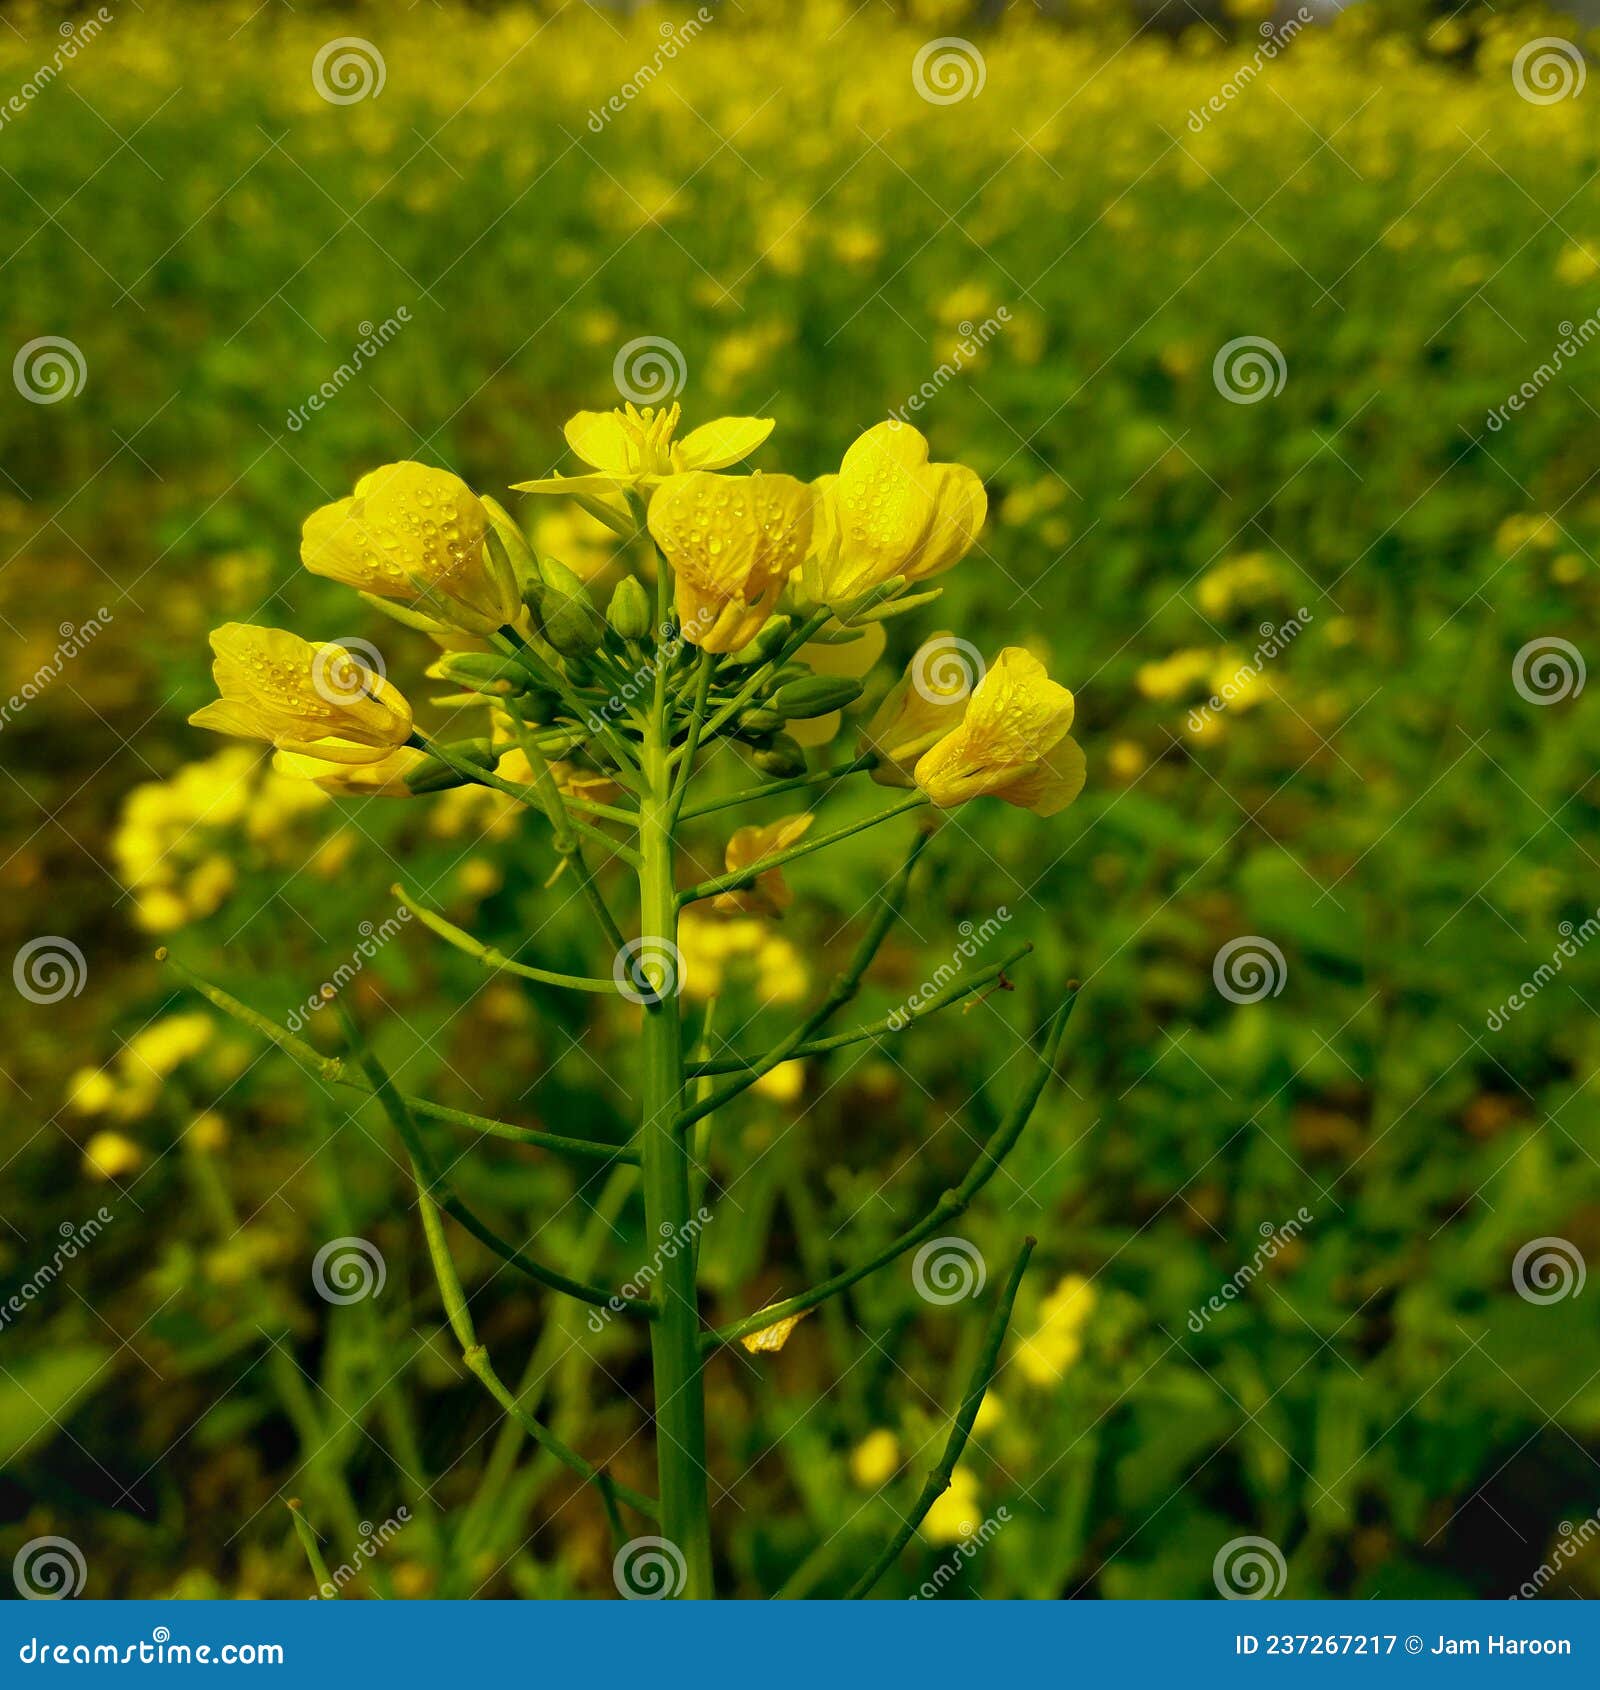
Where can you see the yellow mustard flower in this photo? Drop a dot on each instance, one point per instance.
(732, 540)
(956, 1514)
(1012, 743)
(719, 954)
(314, 699)
(110, 1156)
(412, 532)
(890, 512)
(385, 778)
(876, 1459)
(770, 895)
(783, 1084)
(633, 448)
(921, 708)
(1045, 1356)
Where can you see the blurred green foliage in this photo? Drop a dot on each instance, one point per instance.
(1386, 807)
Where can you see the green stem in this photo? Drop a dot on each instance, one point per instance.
(951, 1204)
(702, 691)
(490, 956)
(308, 1542)
(822, 777)
(738, 878)
(675, 1332)
(938, 1481)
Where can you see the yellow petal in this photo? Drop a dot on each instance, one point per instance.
(1051, 784)
(715, 445)
(774, 1337)
(385, 777)
(1017, 712)
(599, 438)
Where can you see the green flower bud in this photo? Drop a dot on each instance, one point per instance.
(566, 617)
(815, 695)
(781, 759)
(480, 671)
(629, 610)
(435, 775)
(514, 544)
(757, 722)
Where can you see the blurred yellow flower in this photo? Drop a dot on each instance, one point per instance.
(1012, 743)
(314, 699)
(876, 1459)
(956, 1513)
(732, 541)
(770, 895)
(110, 1155)
(889, 511)
(414, 533)
(720, 954)
(1044, 1356)
(783, 1084)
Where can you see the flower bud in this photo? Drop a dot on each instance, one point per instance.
(629, 610)
(781, 758)
(758, 722)
(814, 695)
(565, 616)
(480, 671)
(435, 775)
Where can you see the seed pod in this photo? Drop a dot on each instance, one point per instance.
(435, 775)
(629, 610)
(566, 617)
(781, 758)
(815, 695)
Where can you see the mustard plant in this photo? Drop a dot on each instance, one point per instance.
(615, 728)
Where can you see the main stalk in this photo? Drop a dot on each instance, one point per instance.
(675, 1333)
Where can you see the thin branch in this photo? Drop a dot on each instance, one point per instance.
(748, 875)
(938, 1481)
(697, 715)
(823, 777)
(490, 956)
(335, 1072)
(951, 1204)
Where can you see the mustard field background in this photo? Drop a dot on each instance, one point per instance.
(1410, 829)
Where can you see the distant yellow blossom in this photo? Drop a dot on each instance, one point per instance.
(719, 954)
(1044, 1356)
(770, 895)
(314, 699)
(414, 533)
(956, 1512)
(876, 1459)
(782, 1084)
(110, 1155)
